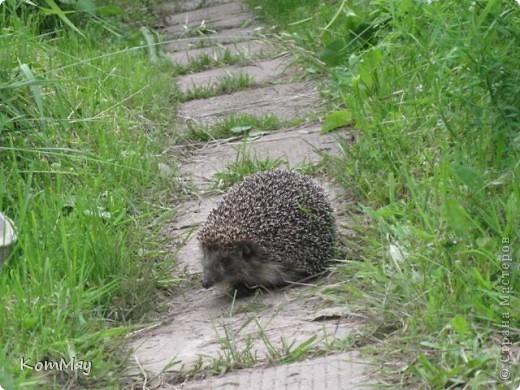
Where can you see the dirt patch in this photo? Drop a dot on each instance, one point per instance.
(206, 325)
(182, 233)
(169, 8)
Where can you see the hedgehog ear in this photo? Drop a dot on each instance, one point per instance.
(247, 251)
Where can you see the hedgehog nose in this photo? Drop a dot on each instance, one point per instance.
(206, 283)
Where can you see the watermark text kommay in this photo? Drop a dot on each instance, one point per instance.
(63, 364)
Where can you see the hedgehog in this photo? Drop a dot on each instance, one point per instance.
(271, 229)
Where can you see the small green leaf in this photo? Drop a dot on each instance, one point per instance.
(367, 68)
(336, 119)
(88, 6)
(460, 325)
(471, 177)
(33, 85)
(29, 322)
(334, 53)
(240, 129)
(109, 11)
(456, 217)
(55, 10)
(431, 345)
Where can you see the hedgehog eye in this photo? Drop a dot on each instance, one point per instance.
(247, 251)
(226, 261)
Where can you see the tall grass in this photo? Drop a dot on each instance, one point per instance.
(83, 117)
(433, 88)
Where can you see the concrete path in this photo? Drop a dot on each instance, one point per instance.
(244, 342)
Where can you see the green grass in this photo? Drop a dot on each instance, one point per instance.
(82, 117)
(224, 84)
(206, 61)
(433, 90)
(231, 126)
(244, 165)
(220, 58)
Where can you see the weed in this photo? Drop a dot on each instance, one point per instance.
(201, 30)
(243, 166)
(206, 61)
(232, 125)
(231, 356)
(224, 84)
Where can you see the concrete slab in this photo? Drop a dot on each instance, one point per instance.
(232, 35)
(182, 233)
(260, 73)
(194, 212)
(201, 319)
(218, 17)
(250, 49)
(344, 371)
(285, 101)
(294, 146)
(176, 6)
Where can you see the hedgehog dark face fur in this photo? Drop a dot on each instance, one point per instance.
(273, 228)
(245, 264)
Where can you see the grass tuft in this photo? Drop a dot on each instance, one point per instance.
(232, 125)
(205, 61)
(223, 85)
(243, 166)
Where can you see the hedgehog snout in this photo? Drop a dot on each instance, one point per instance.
(214, 268)
(211, 276)
(207, 282)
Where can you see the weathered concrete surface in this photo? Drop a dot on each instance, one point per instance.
(250, 49)
(261, 72)
(285, 101)
(183, 230)
(203, 319)
(169, 8)
(208, 39)
(293, 146)
(343, 371)
(218, 17)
